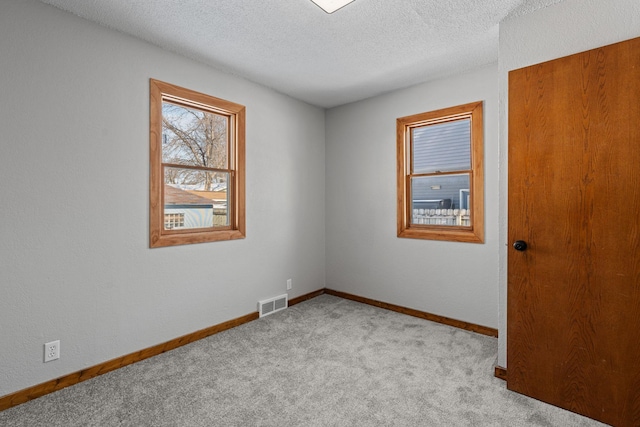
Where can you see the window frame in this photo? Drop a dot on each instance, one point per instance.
(160, 237)
(404, 125)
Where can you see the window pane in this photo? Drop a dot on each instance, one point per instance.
(441, 200)
(442, 147)
(194, 137)
(195, 199)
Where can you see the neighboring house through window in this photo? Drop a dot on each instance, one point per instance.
(440, 174)
(197, 167)
(173, 220)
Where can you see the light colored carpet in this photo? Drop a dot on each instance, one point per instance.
(325, 362)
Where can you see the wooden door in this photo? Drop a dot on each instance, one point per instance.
(573, 334)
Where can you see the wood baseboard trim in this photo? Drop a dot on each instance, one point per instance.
(305, 297)
(47, 387)
(484, 330)
(39, 390)
(501, 373)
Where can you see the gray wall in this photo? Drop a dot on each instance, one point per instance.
(364, 255)
(74, 199)
(565, 28)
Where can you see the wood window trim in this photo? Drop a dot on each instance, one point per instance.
(158, 236)
(472, 234)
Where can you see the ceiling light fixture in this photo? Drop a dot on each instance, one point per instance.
(331, 6)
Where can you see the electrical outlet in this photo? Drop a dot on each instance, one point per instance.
(289, 284)
(52, 351)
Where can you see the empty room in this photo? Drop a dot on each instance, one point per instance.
(319, 213)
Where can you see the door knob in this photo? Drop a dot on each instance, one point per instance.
(520, 245)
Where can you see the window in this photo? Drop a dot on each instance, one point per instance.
(196, 167)
(440, 175)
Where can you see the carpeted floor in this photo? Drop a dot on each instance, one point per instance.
(324, 362)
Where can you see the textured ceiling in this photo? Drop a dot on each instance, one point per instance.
(364, 49)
